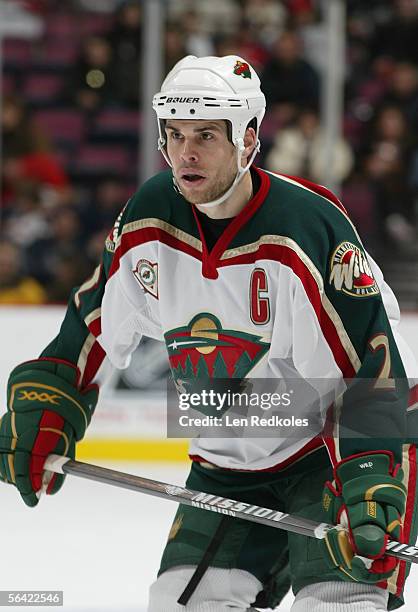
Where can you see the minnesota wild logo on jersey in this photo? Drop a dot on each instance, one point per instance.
(203, 349)
(351, 272)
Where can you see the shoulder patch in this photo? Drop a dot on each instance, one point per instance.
(146, 273)
(351, 272)
(111, 240)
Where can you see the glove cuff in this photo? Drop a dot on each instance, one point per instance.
(369, 479)
(51, 385)
(355, 466)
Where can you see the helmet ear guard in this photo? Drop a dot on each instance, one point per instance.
(213, 88)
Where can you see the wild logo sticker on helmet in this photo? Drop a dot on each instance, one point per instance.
(351, 272)
(242, 69)
(146, 273)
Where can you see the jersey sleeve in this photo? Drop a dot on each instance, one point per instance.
(341, 332)
(101, 318)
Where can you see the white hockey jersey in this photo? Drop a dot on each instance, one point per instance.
(287, 292)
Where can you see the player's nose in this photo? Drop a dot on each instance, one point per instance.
(189, 153)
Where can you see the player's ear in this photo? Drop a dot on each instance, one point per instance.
(250, 141)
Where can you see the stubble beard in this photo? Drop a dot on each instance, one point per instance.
(217, 190)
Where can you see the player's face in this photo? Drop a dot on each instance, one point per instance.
(203, 159)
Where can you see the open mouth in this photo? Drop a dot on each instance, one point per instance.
(192, 178)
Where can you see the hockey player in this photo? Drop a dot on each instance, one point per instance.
(264, 275)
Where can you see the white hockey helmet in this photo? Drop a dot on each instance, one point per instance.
(213, 88)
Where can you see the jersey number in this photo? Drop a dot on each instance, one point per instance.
(259, 303)
(384, 380)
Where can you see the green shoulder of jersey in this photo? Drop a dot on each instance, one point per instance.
(317, 228)
(313, 225)
(156, 203)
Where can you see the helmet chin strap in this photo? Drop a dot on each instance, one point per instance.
(240, 172)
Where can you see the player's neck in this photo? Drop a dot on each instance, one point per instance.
(235, 203)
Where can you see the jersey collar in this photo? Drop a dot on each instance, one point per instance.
(211, 259)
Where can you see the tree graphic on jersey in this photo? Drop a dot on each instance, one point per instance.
(204, 350)
(188, 371)
(219, 369)
(202, 369)
(243, 366)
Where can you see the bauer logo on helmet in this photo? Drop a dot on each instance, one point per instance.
(182, 100)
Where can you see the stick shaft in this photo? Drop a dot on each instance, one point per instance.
(214, 503)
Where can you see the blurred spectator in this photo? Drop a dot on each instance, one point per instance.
(65, 240)
(299, 151)
(288, 80)
(125, 40)
(101, 212)
(19, 136)
(301, 11)
(220, 16)
(403, 91)
(99, 6)
(387, 162)
(93, 80)
(362, 21)
(70, 270)
(366, 89)
(27, 156)
(94, 247)
(227, 45)
(198, 41)
(360, 200)
(36, 6)
(381, 10)
(216, 16)
(413, 178)
(249, 46)
(265, 18)
(174, 45)
(398, 36)
(366, 92)
(15, 286)
(26, 221)
(312, 29)
(390, 138)
(245, 45)
(21, 16)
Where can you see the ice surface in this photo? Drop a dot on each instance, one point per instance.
(99, 544)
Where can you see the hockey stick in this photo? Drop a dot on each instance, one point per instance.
(207, 501)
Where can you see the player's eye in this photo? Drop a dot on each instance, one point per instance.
(175, 135)
(207, 136)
